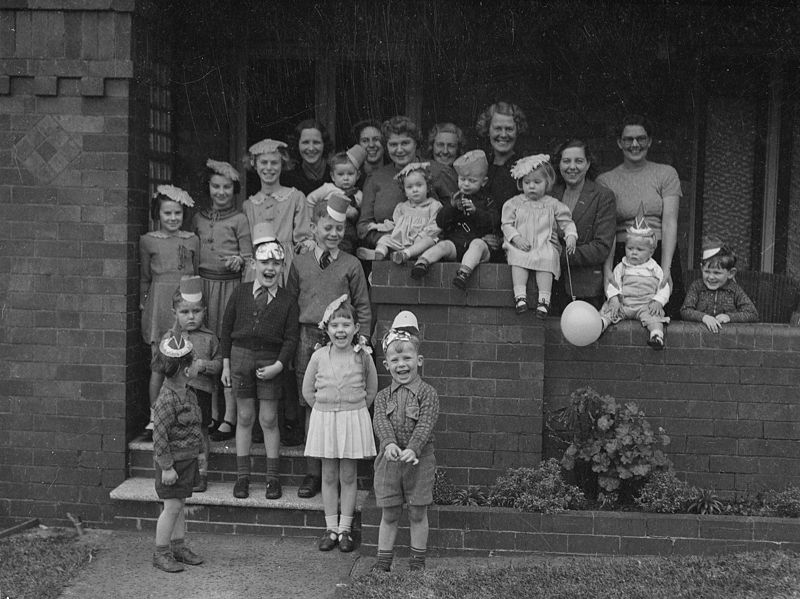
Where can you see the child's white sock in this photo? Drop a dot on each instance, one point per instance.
(520, 291)
(332, 523)
(345, 523)
(544, 296)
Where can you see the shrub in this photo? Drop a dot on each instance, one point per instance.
(784, 503)
(665, 493)
(444, 492)
(538, 489)
(615, 440)
(472, 495)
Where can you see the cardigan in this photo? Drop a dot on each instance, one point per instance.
(350, 389)
(271, 328)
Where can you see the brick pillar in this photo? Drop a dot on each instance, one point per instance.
(68, 268)
(485, 361)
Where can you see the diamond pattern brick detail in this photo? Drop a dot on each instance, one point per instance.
(46, 150)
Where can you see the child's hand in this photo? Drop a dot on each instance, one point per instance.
(571, 243)
(225, 377)
(392, 452)
(233, 263)
(196, 368)
(467, 206)
(615, 306)
(372, 227)
(723, 318)
(408, 456)
(267, 373)
(307, 245)
(385, 227)
(655, 308)
(521, 244)
(711, 323)
(169, 477)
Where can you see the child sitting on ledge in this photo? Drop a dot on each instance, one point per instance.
(716, 298)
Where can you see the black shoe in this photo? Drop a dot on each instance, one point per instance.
(379, 568)
(346, 543)
(241, 489)
(202, 484)
(656, 342)
(214, 425)
(328, 541)
(310, 486)
(419, 270)
(219, 435)
(542, 309)
(521, 305)
(274, 490)
(460, 280)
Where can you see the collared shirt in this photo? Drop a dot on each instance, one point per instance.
(405, 415)
(257, 286)
(176, 425)
(318, 251)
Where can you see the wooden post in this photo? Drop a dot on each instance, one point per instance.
(773, 141)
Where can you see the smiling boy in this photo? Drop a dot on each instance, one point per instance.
(315, 280)
(716, 298)
(405, 415)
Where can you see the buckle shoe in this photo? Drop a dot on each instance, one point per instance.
(328, 541)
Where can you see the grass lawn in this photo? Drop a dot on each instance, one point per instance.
(763, 575)
(38, 564)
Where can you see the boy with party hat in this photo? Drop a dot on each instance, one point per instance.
(315, 280)
(259, 337)
(637, 289)
(464, 220)
(189, 308)
(405, 415)
(716, 299)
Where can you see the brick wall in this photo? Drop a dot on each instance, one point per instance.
(68, 262)
(484, 360)
(727, 401)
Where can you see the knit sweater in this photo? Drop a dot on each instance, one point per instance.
(405, 415)
(271, 328)
(315, 288)
(176, 426)
(729, 299)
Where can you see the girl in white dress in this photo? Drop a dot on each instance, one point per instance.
(340, 384)
(530, 223)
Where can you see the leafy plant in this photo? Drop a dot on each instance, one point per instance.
(665, 493)
(616, 440)
(706, 502)
(538, 489)
(444, 492)
(472, 495)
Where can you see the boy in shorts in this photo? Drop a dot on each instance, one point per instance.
(405, 414)
(177, 443)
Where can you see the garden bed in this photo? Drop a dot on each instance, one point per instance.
(481, 531)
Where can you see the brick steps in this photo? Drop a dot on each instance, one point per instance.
(217, 510)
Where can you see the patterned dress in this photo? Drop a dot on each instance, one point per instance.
(165, 258)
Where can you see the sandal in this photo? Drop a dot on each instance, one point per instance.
(219, 435)
(521, 305)
(542, 309)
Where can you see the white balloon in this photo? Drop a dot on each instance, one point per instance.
(581, 323)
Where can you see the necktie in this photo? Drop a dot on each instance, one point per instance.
(262, 297)
(325, 260)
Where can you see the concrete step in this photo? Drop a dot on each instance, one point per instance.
(222, 463)
(218, 511)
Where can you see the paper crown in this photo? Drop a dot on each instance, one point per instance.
(223, 168)
(176, 194)
(472, 164)
(263, 232)
(175, 346)
(404, 326)
(640, 228)
(411, 167)
(337, 207)
(711, 247)
(266, 146)
(191, 288)
(357, 155)
(527, 165)
(332, 307)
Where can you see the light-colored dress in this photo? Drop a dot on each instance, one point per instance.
(164, 259)
(289, 215)
(222, 234)
(412, 221)
(538, 222)
(340, 425)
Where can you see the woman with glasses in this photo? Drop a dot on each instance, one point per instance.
(652, 188)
